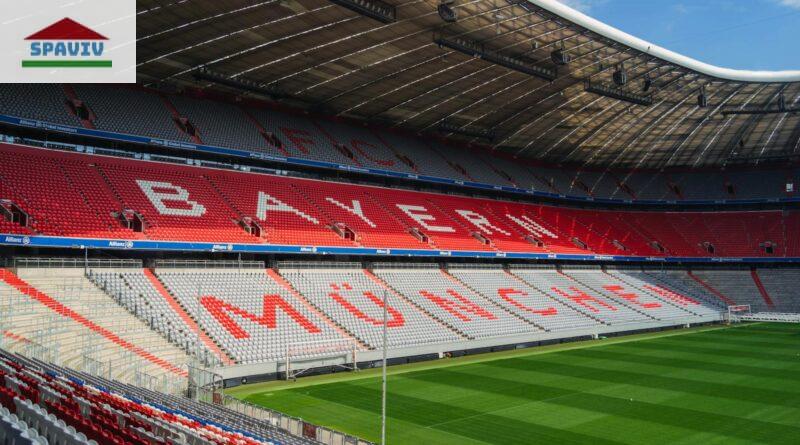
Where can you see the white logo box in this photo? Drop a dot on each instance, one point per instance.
(55, 41)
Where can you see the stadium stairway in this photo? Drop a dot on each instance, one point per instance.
(464, 283)
(382, 283)
(709, 288)
(565, 302)
(83, 322)
(176, 115)
(630, 300)
(187, 319)
(667, 296)
(263, 131)
(69, 91)
(761, 289)
(283, 282)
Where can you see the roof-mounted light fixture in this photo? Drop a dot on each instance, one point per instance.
(481, 133)
(618, 93)
(446, 12)
(476, 49)
(375, 9)
(239, 83)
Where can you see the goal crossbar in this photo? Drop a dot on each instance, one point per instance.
(736, 312)
(304, 356)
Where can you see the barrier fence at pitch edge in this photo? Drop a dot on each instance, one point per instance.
(185, 246)
(292, 425)
(121, 137)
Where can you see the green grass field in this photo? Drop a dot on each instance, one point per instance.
(720, 385)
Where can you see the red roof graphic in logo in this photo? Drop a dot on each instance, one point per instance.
(66, 29)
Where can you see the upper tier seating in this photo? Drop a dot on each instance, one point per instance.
(220, 124)
(246, 312)
(355, 301)
(147, 113)
(444, 298)
(56, 405)
(131, 111)
(366, 149)
(300, 138)
(427, 161)
(187, 203)
(41, 101)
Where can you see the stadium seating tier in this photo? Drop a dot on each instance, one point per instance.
(80, 195)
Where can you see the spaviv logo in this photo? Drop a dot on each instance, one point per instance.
(66, 44)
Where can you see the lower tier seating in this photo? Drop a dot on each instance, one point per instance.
(579, 296)
(626, 294)
(355, 301)
(132, 289)
(142, 326)
(523, 300)
(62, 316)
(782, 286)
(446, 299)
(44, 404)
(246, 312)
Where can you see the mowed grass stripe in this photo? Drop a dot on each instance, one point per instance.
(458, 420)
(655, 413)
(734, 343)
(706, 387)
(740, 369)
(760, 354)
(788, 398)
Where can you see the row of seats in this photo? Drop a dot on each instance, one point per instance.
(58, 315)
(255, 315)
(142, 112)
(355, 301)
(186, 203)
(247, 313)
(55, 405)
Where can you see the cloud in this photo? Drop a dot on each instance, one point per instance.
(586, 5)
(790, 3)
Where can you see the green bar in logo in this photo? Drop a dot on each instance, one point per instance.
(66, 64)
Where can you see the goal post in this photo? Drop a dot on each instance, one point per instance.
(304, 356)
(737, 313)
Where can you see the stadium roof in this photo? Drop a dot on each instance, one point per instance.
(319, 55)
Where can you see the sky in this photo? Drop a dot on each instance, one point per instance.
(740, 34)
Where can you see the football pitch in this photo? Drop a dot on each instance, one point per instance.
(720, 385)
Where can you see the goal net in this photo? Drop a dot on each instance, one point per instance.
(737, 313)
(304, 356)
